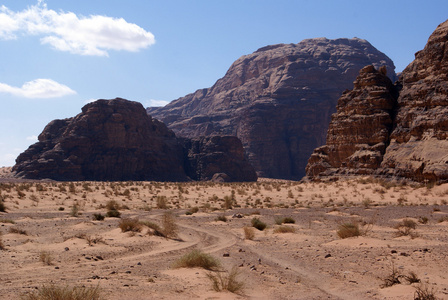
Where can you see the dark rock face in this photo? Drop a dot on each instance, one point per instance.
(278, 101)
(217, 158)
(359, 131)
(109, 140)
(403, 139)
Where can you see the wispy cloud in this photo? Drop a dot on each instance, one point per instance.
(155, 103)
(39, 88)
(65, 31)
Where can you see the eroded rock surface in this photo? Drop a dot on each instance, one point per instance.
(360, 129)
(117, 140)
(277, 100)
(406, 141)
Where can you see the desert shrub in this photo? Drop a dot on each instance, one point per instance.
(192, 210)
(226, 282)
(169, 226)
(406, 227)
(197, 259)
(393, 277)
(412, 277)
(112, 205)
(424, 292)
(284, 220)
(9, 221)
(53, 292)
(423, 220)
(443, 219)
(46, 258)
(156, 230)
(349, 229)
(113, 213)
(284, 229)
(2, 206)
(17, 230)
(2, 246)
(74, 212)
(221, 218)
(98, 217)
(256, 223)
(161, 202)
(249, 233)
(128, 224)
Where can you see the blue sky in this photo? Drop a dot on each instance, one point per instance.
(58, 55)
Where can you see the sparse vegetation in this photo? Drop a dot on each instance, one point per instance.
(2, 206)
(393, 277)
(349, 229)
(249, 233)
(443, 219)
(221, 218)
(406, 227)
(226, 281)
(129, 224)
(17, 230)
(2, 246)
(46, 258)
(54, 292)
(284, 229)
(7, 221)
(284, 220)
(169, 226)
(98, 217)
(256, 223)
(197, 259)
(425, 292)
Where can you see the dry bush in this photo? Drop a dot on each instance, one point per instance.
(393, 278)
(17, 230)
(221, 218)
(91, 239)
(249, 233)
(162, 202)
(112, 205)
(46, 258)
(349, 229)
(197, 259)
(284, 220)
(406, 227)
(284, 229)
(2, 206)
(9, 221)
(2, 246)
(412, 277)
(53, 292)
(169, 226)
(424, 292)
(130, 224)
(156, 230)
(256, 223)
(227, 281)
(98, 217)
(443, 219)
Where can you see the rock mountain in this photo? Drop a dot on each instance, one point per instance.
(393, 130)
(117, 140)
(277, 100)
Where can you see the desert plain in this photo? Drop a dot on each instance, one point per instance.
(52, 235)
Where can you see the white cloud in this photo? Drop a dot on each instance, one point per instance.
(32, 138)
(39, 88)
(155, 103)
(65, 31)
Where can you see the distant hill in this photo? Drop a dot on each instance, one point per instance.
(277, 100)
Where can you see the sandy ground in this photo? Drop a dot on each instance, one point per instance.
(311, 263)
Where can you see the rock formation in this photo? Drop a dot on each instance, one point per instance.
(278, 101)
(117, 140)
(419, 148)
(359, 131)
(406, 139)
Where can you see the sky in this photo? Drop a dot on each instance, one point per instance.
(58, 55)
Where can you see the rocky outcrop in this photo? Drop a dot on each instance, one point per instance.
(419, 148)
(278, 101)
(117, 140)
(359, 131)
(403, 140)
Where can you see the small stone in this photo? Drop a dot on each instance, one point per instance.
(328, 255)
(66, 248)
(226, 255)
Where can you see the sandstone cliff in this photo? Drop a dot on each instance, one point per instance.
(402, 139)
(278, 101)
(117, 140)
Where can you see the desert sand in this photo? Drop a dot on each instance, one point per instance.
(49, 235)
